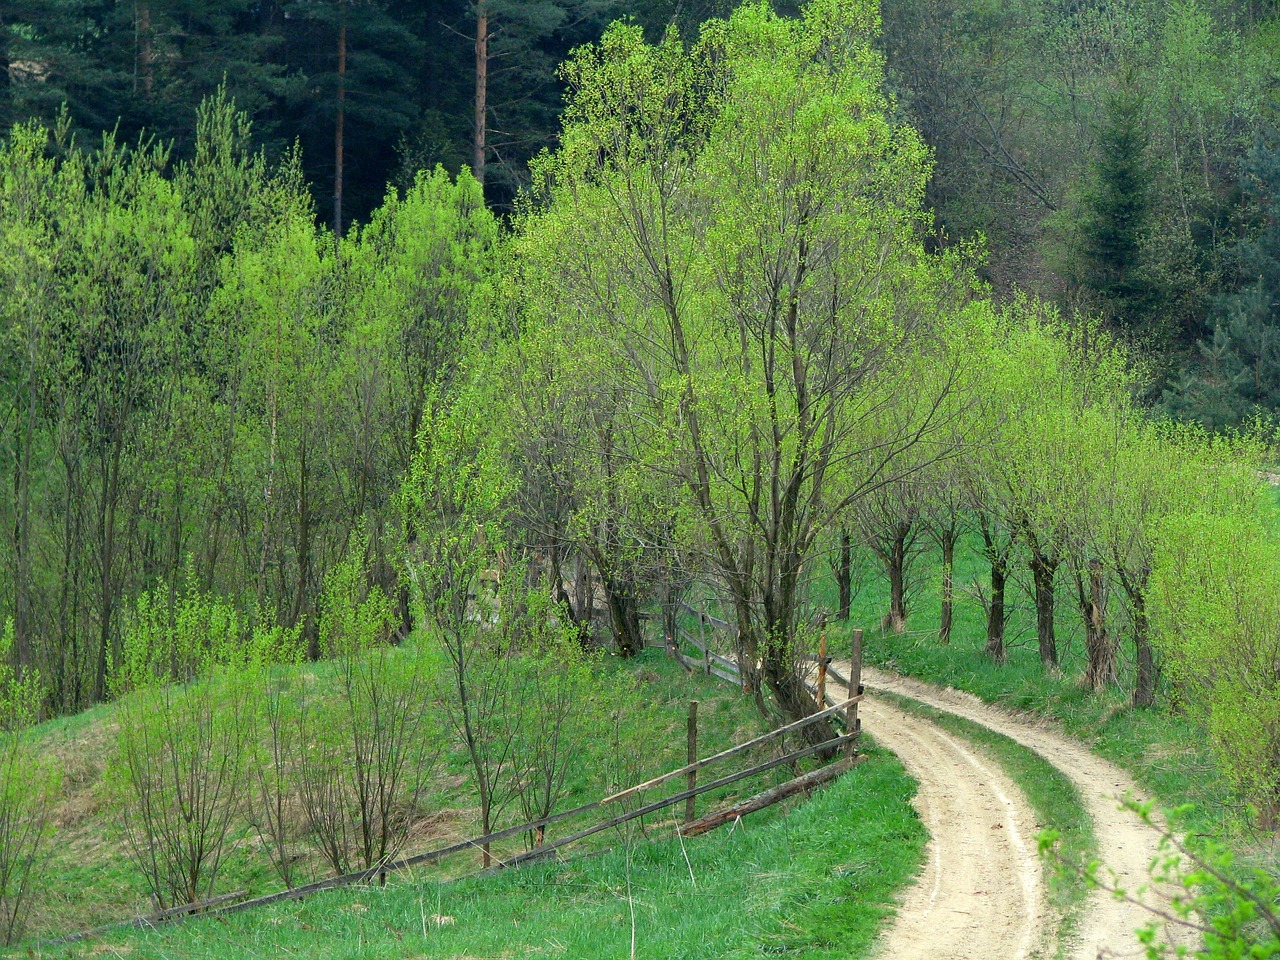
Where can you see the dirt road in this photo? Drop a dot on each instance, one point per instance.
(981, 895)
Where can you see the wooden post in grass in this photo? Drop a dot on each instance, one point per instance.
(692, 737)
(822, 664)
(855, 688)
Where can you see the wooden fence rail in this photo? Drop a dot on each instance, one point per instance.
(721, 625)
(223, 905)
(726, 754)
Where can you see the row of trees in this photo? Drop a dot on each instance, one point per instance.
(721, 351)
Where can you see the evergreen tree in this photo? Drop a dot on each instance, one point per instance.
(1116, 211)
(1239, 372)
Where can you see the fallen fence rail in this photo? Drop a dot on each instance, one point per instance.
(801, 784)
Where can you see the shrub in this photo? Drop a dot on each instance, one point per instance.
(28, 788)
(374, 746)
(189, 681)
(1216, 614)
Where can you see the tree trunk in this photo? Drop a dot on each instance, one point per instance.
(304, 559)
(340, 122)
(897, 619)
(625, 616)
(998, 557)
(146, 50)
(948, 543)
(844, 574)
(1148, 673)
(670, 611)
(584, 592)
(482, 91)
(23, 607)
(573, 613)
(795, 701)
(110, 492)
(995, 613)
(1100, 649)
(1043, 570)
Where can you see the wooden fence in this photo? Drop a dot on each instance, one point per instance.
(689, 772)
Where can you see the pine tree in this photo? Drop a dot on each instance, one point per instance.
(1243, 376)
(1116, 211)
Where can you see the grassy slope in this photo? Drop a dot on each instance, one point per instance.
(815, 884)
(780, 884)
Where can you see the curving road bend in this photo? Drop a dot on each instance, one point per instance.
(981, 894)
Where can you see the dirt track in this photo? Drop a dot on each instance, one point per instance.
(981, 895)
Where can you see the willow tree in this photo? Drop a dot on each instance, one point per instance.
(737, 225)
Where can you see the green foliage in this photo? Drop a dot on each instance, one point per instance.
(198, 387)
(177, 634)
(29, 786)
(1217, 617)
(1117, 205)
(1238, 374)
(1228, 908)
(1233, 907)
(189, 682)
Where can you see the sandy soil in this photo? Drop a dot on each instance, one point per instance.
(981, 894)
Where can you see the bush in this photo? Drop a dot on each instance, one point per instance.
(374, 747)
(189, 681)
(1215, 588)
(29, 785)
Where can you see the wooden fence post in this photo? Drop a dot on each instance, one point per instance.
(692, 737)
(822, 665)
(852, 723)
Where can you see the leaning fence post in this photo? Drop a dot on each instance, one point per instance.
(822, 665)
(692, 737)
(852, 723)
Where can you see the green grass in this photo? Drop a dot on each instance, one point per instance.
(814, 883)
(90, 881)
